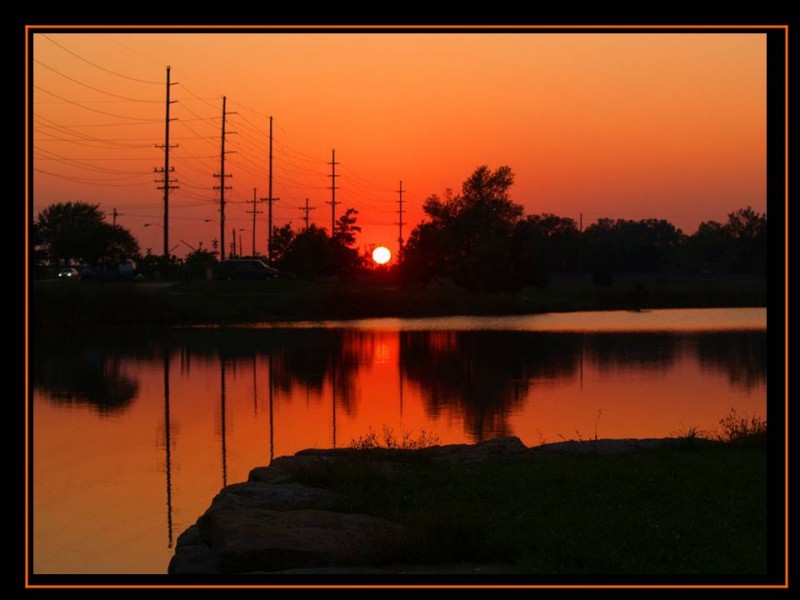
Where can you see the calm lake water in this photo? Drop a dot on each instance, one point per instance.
(134, 435)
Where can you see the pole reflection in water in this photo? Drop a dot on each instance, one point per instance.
(271, 414)
(400, 377)
(255, 387)
(333, 395)
(222, 427)
(168, 447)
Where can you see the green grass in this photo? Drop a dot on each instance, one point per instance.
(674, 511)
(57, 303)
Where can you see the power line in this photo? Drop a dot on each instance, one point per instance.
(198, 117)
(94, 145)
(89, 181)
(203, 100)
(86, 85)
(77, 163)
(201, 137)
(37, 115)
(366, 183)
(49, 39)
(102, 112)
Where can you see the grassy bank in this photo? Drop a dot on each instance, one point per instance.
(687, 510)
(76, 303)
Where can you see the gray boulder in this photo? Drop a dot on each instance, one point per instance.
(247, 540)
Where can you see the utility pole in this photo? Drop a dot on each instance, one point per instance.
(400, 224)
(270, 200)
(165, 171)
(254, 212)
(233, 242)
(114, 214)
(307, 210)
(222, 187)
(333, 189)
(580, 245)
(269, 193)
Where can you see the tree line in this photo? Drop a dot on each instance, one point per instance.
(483, 241)
(479, 238)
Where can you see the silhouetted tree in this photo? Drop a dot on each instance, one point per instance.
(38, 254)
(748, 231)
(346, 228)
(119, 244)
(155, 266)
(468, 236)
(282, 238)
(544, 244)
(737, 246)
(707, 247)
(421, 257)
(313, 253)
(626, 246)
(347, 261)
(197, 263)
(76, 231)
(309, 254)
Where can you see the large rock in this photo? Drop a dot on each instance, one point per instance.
(247, 540)
(192, 555)
(281, 496)
(498, 448)
(271, 523)
(290, 468)
(615, 446)
(287, 469)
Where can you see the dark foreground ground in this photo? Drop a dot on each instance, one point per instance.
(57, 303)
(655, 508)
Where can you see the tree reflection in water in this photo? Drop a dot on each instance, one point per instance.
(479, 376)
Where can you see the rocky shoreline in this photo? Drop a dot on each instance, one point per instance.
(273, 524)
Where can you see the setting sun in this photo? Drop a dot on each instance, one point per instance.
(381, 255)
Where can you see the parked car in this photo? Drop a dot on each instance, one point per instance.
(249, 268)
(69, 273)
(122, 271)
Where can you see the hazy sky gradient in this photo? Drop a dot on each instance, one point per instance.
(619, 125)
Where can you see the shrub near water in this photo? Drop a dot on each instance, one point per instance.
(391, 441)
(692, 509)
(742, 429)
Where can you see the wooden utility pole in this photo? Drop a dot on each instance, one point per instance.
(333, 189)
(222, 187)
(254, 213)
(307, 209)
(270, 199)
(400, 224)
(165, 171)
(580, 245)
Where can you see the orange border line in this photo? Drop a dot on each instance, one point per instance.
(786, 304)
(420, 586)
(784, 27)
(407, 26)
(27, 302)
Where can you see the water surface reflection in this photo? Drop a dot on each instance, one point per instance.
(134, 435)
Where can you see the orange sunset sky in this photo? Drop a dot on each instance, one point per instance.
(609, 125)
